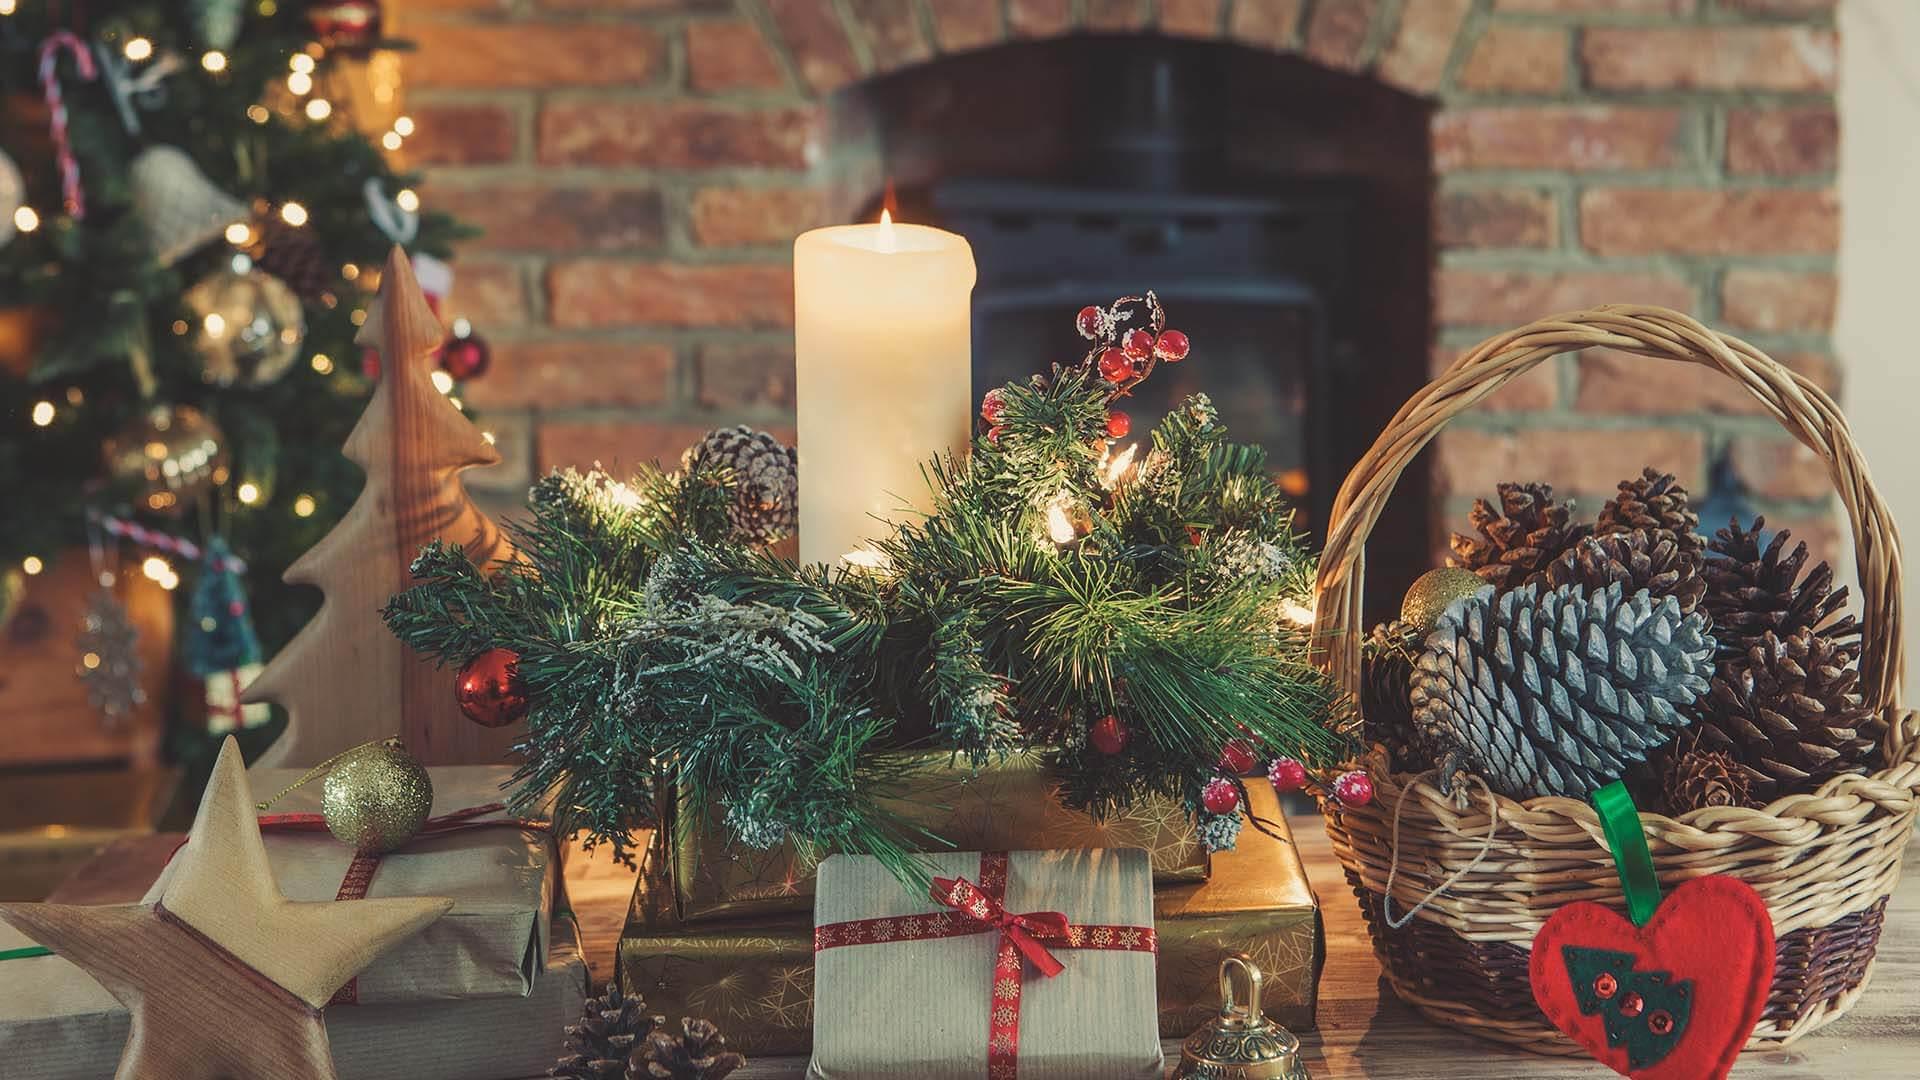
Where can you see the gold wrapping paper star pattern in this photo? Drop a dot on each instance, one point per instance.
(1011, 806)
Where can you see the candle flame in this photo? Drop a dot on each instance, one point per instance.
(888, 243)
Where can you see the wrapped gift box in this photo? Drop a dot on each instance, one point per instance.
(1010, 806)
(964, 993)
(56, 1023)
(755, 977)
(500, 877)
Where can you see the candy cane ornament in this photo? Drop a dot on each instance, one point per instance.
(71, 194)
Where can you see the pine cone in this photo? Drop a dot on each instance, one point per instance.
(1519, 539)
(700, 1054)
(599, 1046)
(1789, 713)
(1558, 692)
(1386, 679)
(1637, 559)
(1751, 593)
(294, 255)
(1657, 503)
(766, 504)
(1698, 776)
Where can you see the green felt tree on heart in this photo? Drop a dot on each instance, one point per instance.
(1642, 1010)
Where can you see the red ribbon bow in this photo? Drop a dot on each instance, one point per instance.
(1025, 932)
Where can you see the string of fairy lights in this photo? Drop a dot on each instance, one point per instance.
(307, 96)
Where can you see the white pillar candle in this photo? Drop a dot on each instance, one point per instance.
(884, 360)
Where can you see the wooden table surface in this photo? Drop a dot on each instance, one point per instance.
(1367, 1034)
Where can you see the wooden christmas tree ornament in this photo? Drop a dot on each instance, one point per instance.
(343, 679)
(224, 976)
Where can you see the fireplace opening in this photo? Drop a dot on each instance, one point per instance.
(1280, 209)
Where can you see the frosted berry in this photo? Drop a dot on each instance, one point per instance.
(1118, 424)
(1138, 343)
(1108, 735)
(994, 433)
(1115, 365)
(1220, 796)
(992, 404)
(1287, 775)
(1088, 322)
(1171, 346)
(1353, 788)
(1236, 758)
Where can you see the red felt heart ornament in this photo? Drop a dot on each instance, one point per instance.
(1675, 999)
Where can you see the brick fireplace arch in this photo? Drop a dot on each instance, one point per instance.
(641, 167)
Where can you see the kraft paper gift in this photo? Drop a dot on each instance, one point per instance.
(1009, 806)
(1040, 961)
(56, 1023)
(500, 876)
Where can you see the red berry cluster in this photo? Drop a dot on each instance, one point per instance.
(1288, 775)
(1121, 355)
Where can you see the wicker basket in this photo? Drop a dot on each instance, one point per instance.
(1825, 862)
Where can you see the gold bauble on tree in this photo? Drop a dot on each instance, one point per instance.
(169, 457)
(376, 797)
(1433, 591)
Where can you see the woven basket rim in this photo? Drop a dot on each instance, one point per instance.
(1804, 409)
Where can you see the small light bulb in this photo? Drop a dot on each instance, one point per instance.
(180, 327)
(300, 82)
(293, 214)
(214, 324)
(214, 60)
(170, 582)
(75, 396)
(323, 363)
(358, 317)
(155, 568)
(406, 199)
(403, 125)
(249, 492)
(26, 219)
(319, 109)
(6, 7)
(391, 140)
(462, 327)
(42, 413)
(301, 63)
(138, 49)
(443, 382)
(304, 506)
(32, 565)
(90, 660)
(239, 233)
(258, 114)
(350, 271)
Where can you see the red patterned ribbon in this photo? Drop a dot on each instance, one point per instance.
(981, 909)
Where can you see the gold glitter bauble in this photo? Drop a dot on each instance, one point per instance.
(376, 797)
(1433, 591)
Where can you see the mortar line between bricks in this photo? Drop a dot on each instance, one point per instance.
(756, 12)
(1380, 31)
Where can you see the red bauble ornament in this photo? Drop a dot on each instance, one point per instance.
(1115, 365)
(992, 404)
(347, 25)
(465, 357)
(1287, 775)
(1675, 999)
(1109, 735)
(1236, 758)
(1138, 344)
(1171, 346)
(1088, 322)
(1220, 796)
(1118, 424)
(490, 690)
(994, 433)
(1354, 788)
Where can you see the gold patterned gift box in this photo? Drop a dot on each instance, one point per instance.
(755, 977)
(1010, 806)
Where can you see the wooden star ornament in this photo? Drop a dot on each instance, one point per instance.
(225, 977)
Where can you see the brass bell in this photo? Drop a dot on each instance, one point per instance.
(1241, 1043)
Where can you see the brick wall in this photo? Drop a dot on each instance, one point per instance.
(641, 167)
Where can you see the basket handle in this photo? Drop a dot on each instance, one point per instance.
(1805, 410)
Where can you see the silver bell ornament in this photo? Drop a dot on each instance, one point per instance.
(13, 195)
(181, 208)
(247, 326)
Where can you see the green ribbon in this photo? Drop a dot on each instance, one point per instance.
(1620, 821)
(25, 953)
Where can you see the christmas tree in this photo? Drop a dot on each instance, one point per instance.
(191, 219)
(1642, 1011)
